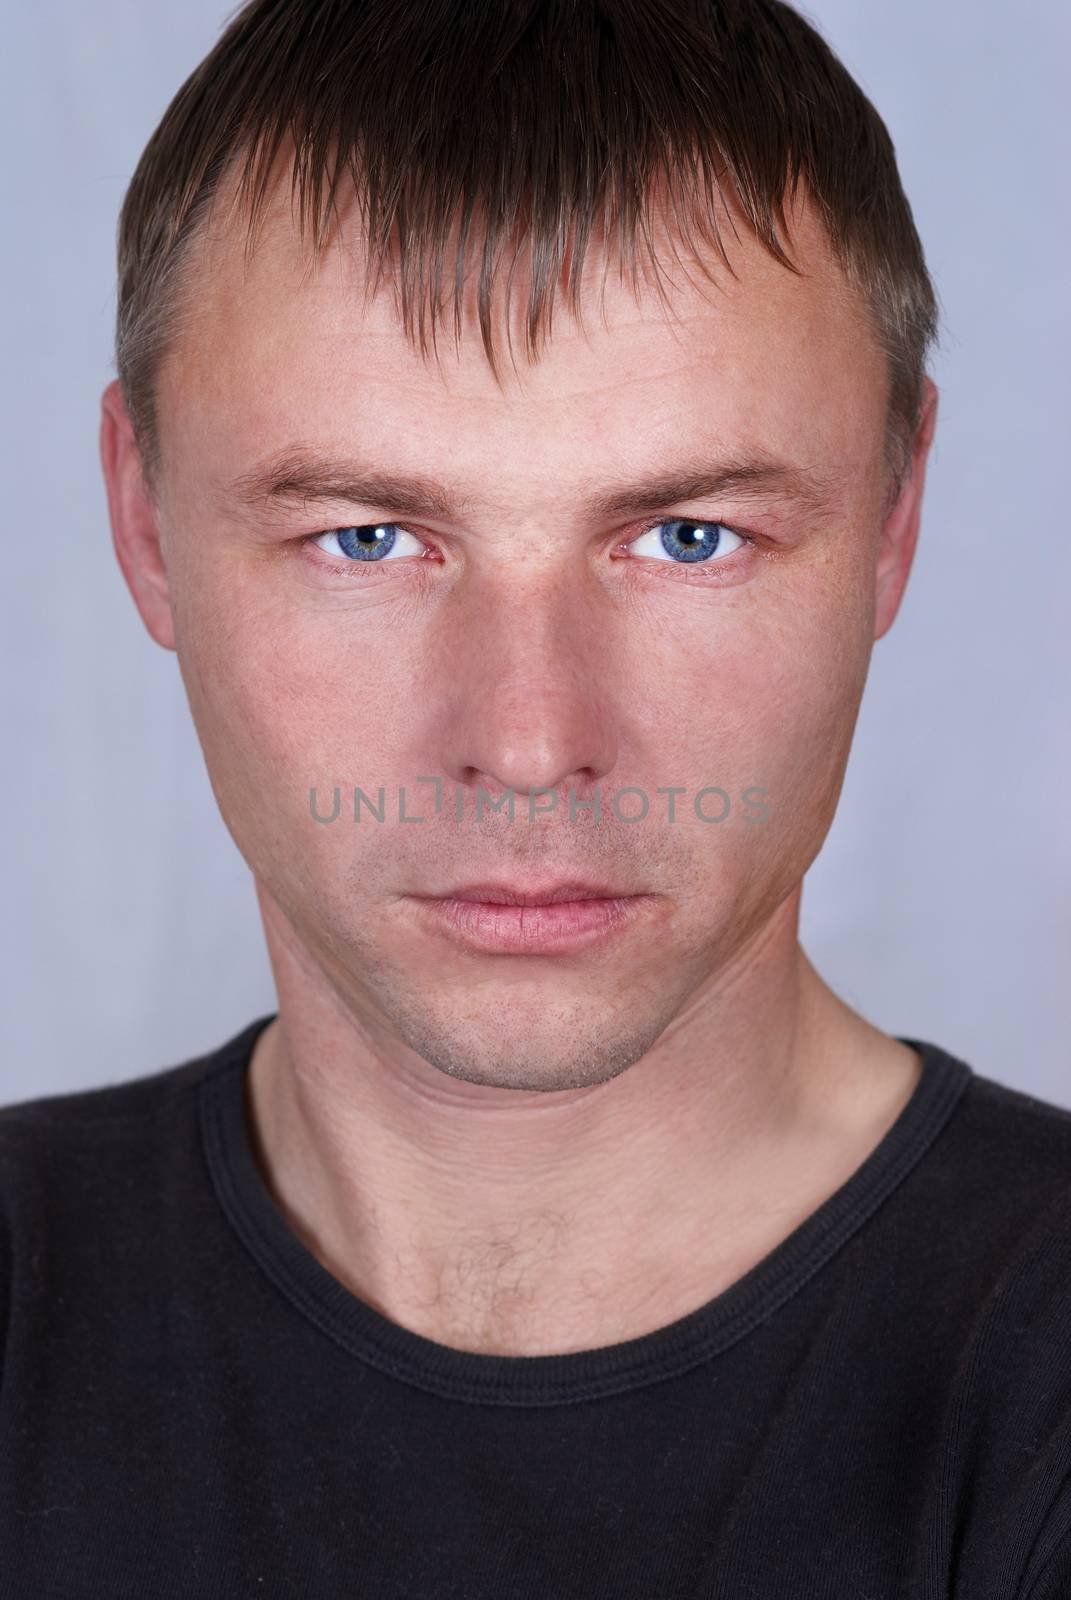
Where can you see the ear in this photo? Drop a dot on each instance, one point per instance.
(135, 529)
(900, 530)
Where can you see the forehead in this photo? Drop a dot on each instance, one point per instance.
(282, 346)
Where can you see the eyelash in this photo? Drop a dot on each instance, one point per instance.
(691, 571)
(700, 571)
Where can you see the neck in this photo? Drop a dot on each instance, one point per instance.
(527, 1223)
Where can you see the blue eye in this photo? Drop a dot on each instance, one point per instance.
(370, 541)
(683, 540)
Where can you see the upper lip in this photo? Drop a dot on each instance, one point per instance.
(547, 894)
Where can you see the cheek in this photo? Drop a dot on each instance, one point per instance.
(296, 696)
(281, 712)
(767, 690)
(810, 677)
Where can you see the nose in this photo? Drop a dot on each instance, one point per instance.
(527, 700)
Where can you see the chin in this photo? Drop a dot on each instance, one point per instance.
(572, 1052)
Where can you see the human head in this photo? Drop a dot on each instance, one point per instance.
(566, 129)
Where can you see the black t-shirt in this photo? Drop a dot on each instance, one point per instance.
(192, 1406)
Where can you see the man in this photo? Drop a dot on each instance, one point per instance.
(562, 1234)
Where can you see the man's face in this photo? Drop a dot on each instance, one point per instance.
(523, 637)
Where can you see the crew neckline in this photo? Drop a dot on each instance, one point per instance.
(542, 1380)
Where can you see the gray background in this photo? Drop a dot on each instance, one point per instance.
(940, 906)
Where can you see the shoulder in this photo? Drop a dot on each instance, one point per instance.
(83, 1110)
(1021, 1148)
(1001, 1187)
(1015, 1143)
(82, 1179)
(61, 1153)
(981, 1232)
(995, 1099)
(85, 1176)
(38, 1131)
(991, 1182)
(65, 1157)
(997, 1143)
(84, 1113)
(1001, 1195)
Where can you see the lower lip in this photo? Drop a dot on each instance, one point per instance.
(534, 930)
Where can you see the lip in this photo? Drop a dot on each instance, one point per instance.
(551, 919)
(550, 893)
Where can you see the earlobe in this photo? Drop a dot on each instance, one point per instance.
(135, 530)
(900, 530)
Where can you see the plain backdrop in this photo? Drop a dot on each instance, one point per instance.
(940, 906)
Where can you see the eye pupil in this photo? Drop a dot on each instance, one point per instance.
(690, 541)
(369, 542)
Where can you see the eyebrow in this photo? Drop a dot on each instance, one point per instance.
(299, 476)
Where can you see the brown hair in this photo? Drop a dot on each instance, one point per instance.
(542, 118)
